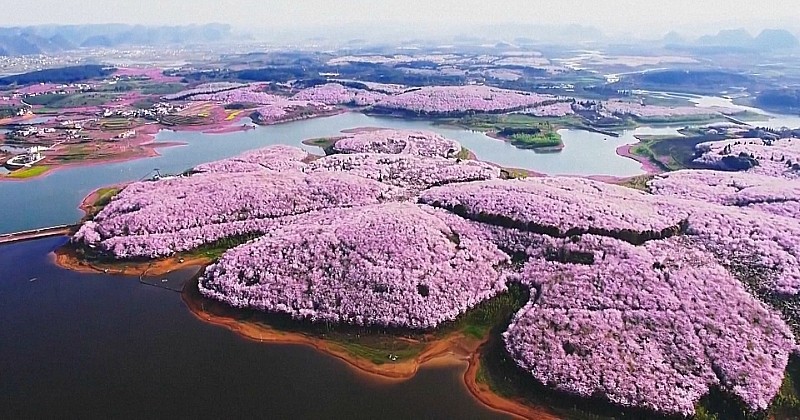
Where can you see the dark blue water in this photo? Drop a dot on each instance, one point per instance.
(95, 346)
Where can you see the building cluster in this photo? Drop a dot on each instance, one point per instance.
(157, 110)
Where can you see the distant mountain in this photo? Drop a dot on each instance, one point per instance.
(56, 38)
(776, 39)
(767, 40)
(673, 38)
(69, 74)
(59, 42)
(728, 38)
(97, 41)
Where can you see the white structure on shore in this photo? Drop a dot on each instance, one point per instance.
(27, 160)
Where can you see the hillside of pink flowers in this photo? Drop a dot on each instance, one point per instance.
(409, 142)
(336, 94)
(392, 265)
(778, 158)
(442, 100)
(644, 299)
(652, 326)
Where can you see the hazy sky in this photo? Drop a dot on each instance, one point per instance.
(644, 17)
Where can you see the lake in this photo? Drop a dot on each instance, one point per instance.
(53, 199)
(78, 345)
(95, 345)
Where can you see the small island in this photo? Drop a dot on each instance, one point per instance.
(542, 138)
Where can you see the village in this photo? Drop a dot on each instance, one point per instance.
(33, 133)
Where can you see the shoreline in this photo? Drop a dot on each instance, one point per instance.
(489, 399)
(66, 258)
(146, 140)
(454, 348)
(649, 167)
(535, 149)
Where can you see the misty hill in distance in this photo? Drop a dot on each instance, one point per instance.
(53, 39)
(49, 39)
(739, 39)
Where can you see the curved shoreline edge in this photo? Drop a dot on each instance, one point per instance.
(649, 167)
(454, 348)
(146, 141)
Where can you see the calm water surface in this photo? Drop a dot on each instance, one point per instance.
(53, 199)
(94, 346)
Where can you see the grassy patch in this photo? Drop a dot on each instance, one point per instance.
(671, 153)
(379, 349)
(215, 250)
(492, 314)
(150, 88)
(115, 123)
(104, 196)
(464, 154)
(83, 99)
(184, 119)
(491, 122)
(145, 103)
(679, 119)
(637, 182)
(524, 131)
(786, 404)
(45, 99)
(31, 172)
(541, 139)
(324, 143)
(511, 173)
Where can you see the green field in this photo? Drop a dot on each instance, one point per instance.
(491, 122)
(104, 196)
(523, 131)
(543, 139)
(670, 153)
(182, 120)
(31, 172)
(72, 100)
(115, 123)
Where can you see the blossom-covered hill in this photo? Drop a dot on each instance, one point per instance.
(409, 142)
(778, 158)
(395, 265)
(647, 300)
(443, 100)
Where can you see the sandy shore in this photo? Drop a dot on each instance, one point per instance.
(647, 165)
(453, 349)
(67, 258)
(488, 398)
